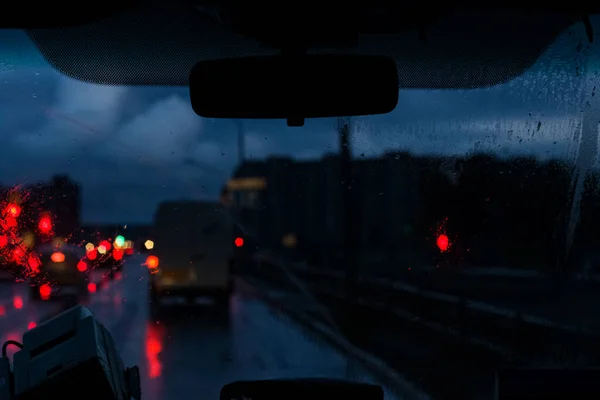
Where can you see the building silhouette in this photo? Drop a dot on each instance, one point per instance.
(501, 212)
(280, 197)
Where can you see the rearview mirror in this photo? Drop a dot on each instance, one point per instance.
(294, 88)
(300, 389)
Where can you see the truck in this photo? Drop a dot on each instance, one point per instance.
(193, 253)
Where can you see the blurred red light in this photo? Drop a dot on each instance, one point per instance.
(239, 242)
(443, 242)
(45, 225)
(92, 255)
(152, 262)
(14, 210)
(106, 244)
(57, 257)
(34, 264)
(9, 222)
(31, 325)
(153, 350)
(45, 291)
(81, 266)
(117, 254)
(91, 287)
(17, 302)
(3, 241)
(17, 254)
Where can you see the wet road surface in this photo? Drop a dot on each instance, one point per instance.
(196, 350)
(565, 302)
(568, 302)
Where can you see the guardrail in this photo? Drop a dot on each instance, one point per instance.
(512, 334)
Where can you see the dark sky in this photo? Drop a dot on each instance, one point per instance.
(127, 145)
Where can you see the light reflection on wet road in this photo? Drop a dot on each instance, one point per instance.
(195, 351)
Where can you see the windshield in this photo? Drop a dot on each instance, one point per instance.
(421, 250)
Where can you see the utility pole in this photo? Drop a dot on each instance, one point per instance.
(348, 220)
(241, 140)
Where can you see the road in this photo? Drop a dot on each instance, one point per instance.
(195, 351)
(566, 302)
(435, 362)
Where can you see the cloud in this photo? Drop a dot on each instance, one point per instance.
(98, 105)
(543, 136)
(139, 198)
(165, 133)
(116, 141)
(133, 147)
(213, 157)
(77, 114)
(266, 138)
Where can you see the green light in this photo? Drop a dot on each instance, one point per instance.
(120, 241)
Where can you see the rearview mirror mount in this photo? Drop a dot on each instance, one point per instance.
(294, 88)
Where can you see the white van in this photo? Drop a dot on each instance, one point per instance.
(193, 242)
